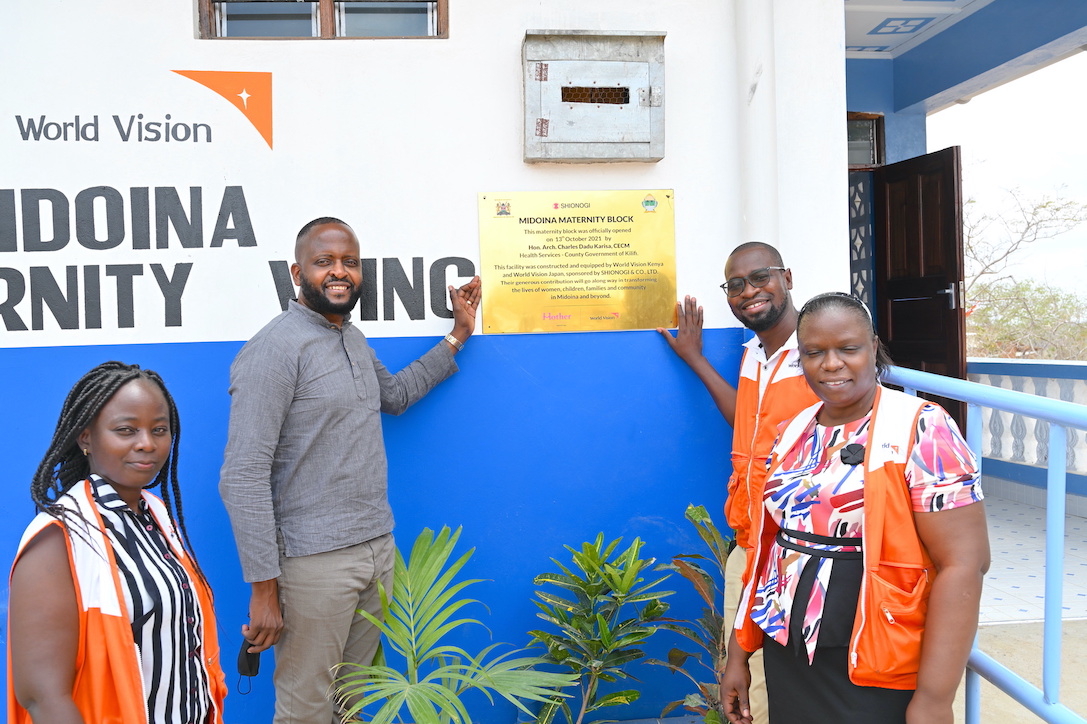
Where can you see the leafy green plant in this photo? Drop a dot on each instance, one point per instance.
(605, 612)
(421, 613)
(707, 575)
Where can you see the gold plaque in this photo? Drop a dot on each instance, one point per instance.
(577, 261)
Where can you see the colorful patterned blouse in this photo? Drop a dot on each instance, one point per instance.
(815, 492)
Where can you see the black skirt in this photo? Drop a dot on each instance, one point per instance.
(822, 692)
(800, 693)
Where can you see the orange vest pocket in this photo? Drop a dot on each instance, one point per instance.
(896, 622)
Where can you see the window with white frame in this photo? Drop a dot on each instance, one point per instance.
(323, 18)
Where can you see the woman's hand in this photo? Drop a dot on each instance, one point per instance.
(925, 710)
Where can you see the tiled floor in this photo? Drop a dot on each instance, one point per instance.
(1015, 585)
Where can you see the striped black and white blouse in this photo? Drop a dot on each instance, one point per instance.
(163, 610)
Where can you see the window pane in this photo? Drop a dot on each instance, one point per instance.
(268, 19)
(862, 142)
(385, 19)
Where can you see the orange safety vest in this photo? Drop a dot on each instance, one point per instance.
(108, 684)
(885, 646)
(756, 428)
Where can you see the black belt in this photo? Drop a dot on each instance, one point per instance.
(821, 540)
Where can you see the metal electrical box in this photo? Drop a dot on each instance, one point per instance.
(593, 96)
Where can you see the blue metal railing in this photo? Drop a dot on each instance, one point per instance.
(1060, 415)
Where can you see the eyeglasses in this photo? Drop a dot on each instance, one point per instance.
(759, 278)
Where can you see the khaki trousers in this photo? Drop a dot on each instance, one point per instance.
(734, 570)
(319, 595)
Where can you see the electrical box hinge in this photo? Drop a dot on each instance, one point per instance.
(650, 97)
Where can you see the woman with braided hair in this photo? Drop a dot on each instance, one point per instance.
(110, 616)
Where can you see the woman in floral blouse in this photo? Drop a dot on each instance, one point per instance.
(861, 625)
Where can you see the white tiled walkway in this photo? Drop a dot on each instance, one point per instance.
(1015, 585)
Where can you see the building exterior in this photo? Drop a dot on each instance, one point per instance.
(145, 216)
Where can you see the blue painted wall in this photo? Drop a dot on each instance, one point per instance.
(539, 441)
(1000, 42)
(870, 89)
(1004, 39)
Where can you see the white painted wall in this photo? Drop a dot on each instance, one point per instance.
(398, 136)
(809, 41)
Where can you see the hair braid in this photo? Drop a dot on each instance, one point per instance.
(172, 495)
(64, 463)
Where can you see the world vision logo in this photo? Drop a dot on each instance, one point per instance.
(250, 93)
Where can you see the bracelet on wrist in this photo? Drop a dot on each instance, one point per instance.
(454, 341)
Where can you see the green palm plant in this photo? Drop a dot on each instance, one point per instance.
(708, 633)
(420, 614)
(605, 613)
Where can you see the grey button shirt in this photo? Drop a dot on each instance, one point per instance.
(305, 454)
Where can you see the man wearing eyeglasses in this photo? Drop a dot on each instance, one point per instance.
(771, 389)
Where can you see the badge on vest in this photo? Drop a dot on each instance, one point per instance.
(853, 454)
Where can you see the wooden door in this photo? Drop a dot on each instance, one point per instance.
(919, 266)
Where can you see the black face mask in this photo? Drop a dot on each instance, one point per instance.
(248, 665)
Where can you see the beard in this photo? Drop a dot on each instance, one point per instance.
(318, 302)
(765, 320)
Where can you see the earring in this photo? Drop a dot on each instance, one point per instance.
(84, 452)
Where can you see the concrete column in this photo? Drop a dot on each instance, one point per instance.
(812, 178)
(757, 121)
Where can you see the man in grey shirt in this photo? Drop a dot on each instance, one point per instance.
(304, 475)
